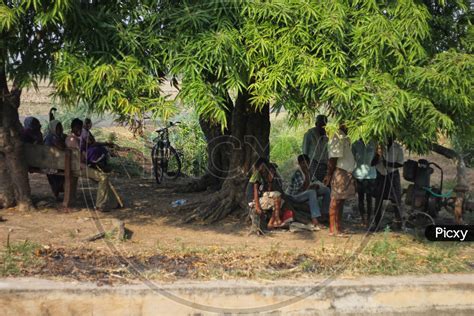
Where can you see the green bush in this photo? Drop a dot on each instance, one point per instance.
(286, 144)
(463, 143)
(189, 141)
(17, 256)
(66, 114)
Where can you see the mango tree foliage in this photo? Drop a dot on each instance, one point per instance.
(123, 86)
(365, 62)
(116, 63)
(96, 39)
(30, 33)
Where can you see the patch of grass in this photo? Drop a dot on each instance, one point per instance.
(286, 144)
(386, 254)
(404, 255)
(72, 234)
(17, 257)
(307, 265)
(111, 234)
(126, 166)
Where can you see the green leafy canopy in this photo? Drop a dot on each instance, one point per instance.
(365, 62)
(383, 67)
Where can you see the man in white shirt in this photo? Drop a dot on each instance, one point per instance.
(365, 175)
(387, 161)
(340, 167)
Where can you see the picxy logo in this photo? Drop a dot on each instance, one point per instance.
(450, 233)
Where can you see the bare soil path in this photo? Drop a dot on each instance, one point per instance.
(159, 246)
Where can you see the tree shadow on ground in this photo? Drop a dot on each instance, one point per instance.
(147, 203)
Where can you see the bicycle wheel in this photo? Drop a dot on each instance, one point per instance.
(172, 164)
(156, 158)
(417, 223)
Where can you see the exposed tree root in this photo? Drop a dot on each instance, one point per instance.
(200, 185)
(219, 205)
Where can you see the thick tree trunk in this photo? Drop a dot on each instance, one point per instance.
(7, 195)
(14, 184)
(248, 140)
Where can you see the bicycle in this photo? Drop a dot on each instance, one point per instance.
(165, 159)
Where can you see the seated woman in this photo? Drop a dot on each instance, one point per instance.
(96, 156)
(261, 193)
(31, 132)
(55, 138)
(96, 152)
(73, 141)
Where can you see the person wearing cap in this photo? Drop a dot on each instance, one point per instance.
(315, 146)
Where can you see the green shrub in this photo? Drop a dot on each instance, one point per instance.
(17, 256)
(286, 144)
(463, 142)
(189, 140)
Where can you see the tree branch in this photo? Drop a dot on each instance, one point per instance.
(444, 151)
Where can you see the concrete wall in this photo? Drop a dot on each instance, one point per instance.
(429, 295)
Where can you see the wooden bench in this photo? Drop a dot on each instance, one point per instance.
(67, 161)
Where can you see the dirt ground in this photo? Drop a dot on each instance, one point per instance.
(149, 215)
(52, 244)
(164, 248)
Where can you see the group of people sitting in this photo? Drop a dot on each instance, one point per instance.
(93, 154)
(333, 171)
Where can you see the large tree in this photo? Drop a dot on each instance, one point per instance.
(30, 34)
(96, 52)
(369, 63)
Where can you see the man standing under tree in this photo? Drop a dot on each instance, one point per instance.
(387, 161)
(340, 167)
(315, 146)
(365, 175)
